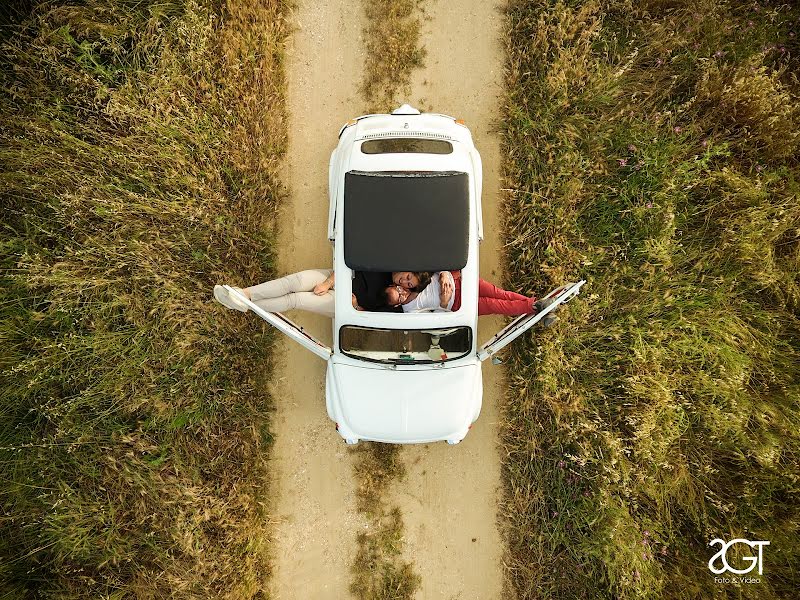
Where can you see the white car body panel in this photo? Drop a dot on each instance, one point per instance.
(407, 405)
(349, 158)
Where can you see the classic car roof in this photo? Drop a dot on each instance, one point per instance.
(406, 221)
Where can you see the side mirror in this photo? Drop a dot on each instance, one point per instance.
(496, 360)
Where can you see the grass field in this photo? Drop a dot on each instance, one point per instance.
(653, 149)
(139, 146)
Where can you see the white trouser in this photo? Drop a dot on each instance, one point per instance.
(294, 292)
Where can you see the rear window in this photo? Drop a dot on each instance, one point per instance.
(406, 145)
(405, 346)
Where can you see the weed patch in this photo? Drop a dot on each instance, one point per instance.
(378, 568)
(392, 38)
(393, 52)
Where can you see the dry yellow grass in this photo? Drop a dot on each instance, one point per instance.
(140, 144)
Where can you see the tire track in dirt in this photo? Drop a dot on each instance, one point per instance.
(450, 496)
(314, 538)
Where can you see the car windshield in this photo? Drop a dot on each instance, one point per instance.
(405, 346)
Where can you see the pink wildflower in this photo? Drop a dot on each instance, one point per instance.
(622, 161)
(649, 205)
(677, 129)
(632, 148)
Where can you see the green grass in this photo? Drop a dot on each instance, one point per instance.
(140, 146)
(652, 150)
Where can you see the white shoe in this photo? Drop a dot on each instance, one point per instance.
(222, 296)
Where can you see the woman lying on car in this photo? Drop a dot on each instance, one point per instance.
(444, 293)
(312, 291)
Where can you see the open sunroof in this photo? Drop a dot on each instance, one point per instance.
(406, 221)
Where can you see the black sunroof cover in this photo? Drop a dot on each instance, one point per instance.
(406, 221)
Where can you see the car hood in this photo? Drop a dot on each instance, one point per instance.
(405, 405)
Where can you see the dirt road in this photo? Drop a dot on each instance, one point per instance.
(450, 496)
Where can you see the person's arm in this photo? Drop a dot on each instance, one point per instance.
(355, 302)
(426, 299)
(322, 288)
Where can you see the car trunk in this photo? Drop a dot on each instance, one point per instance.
(406, 405)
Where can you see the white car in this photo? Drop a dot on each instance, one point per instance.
(405, 195)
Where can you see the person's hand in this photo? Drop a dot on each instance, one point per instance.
(446, 285)
(322, 288)
(355, 302)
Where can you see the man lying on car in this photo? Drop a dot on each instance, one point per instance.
(444, 293)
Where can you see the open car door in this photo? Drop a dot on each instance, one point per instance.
(521, 324)
(280, 322)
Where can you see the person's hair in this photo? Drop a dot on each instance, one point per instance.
(383, 296)
(424, 279)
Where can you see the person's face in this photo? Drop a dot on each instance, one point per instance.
(405, 279)
(396, 295)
